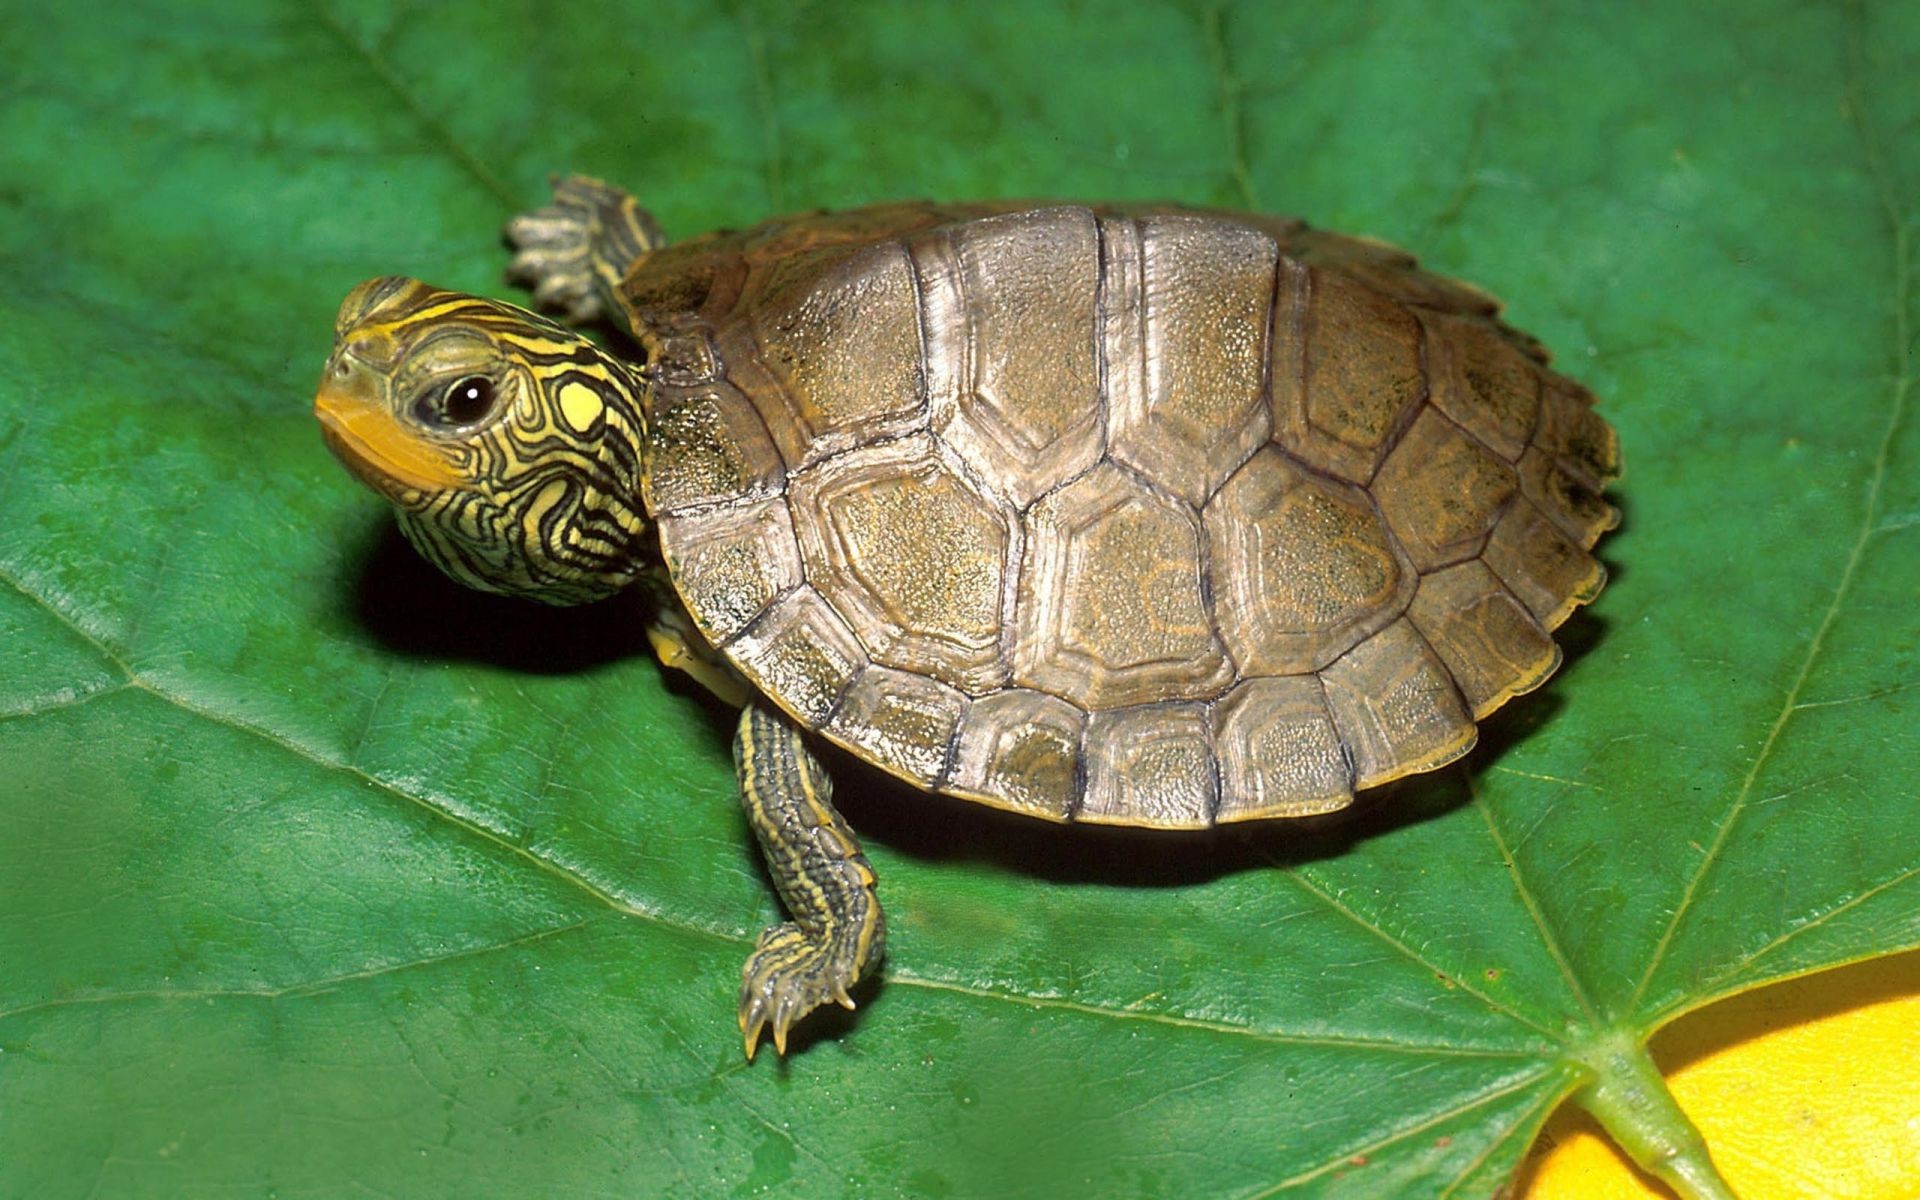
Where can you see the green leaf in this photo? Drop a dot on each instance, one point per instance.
(318, 874)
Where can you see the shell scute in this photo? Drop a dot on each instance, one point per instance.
(1280, 753)
(732, 562)
(1013, 369)
(1301, 567)
(1490, 643)
(1020, 749)
(838, 338)
(1482, 381)
(902, 721)
(1550, 572)
(1396, 706)
(1151, 764)
(1441, 490)
(1193, 408)
(1111, 607)
(1347, 370)
(801, 653)
(917, 554)
(707, 446)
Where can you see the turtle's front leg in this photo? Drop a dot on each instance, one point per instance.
(574, 252)
(824, 880)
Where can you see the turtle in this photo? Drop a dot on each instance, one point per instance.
(1124, 513)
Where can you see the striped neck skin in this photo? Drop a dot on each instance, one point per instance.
(510, 447)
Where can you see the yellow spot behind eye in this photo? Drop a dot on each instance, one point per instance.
(581, 406)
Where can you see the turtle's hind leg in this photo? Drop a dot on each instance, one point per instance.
(574, 252)
(837, 931)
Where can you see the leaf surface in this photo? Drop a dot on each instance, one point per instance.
(318, 873)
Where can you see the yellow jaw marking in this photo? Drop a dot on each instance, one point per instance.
(370, 442)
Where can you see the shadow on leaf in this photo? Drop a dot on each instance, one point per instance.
(412, 609)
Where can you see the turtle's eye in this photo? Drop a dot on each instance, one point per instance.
(464, 402)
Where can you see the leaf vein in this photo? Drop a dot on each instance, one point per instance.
(1712, 991)
(1520, 1123)
(436, 129)
(1060, 1003)
(1531, 903)
(295, 991)
(615, 902)
(1896, 417)
(771, 151)
(1409, 952)
(1229, 91)
(1499, 1091)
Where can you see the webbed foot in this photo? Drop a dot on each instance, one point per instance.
(574, 252)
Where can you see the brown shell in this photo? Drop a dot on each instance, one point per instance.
(1136, 515)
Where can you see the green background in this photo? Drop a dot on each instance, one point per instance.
(319, 876)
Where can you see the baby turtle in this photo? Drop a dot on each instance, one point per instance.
(1130, 514)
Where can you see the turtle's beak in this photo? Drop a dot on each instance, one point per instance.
(367, 439)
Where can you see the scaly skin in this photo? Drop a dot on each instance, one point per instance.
(837, 931)
(574, 252)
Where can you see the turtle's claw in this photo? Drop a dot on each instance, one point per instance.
(788, 976)
(752, 1021)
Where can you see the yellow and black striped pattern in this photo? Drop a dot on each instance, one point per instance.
(837, 931)
(541, 495)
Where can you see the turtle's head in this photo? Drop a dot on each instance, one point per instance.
(509, 445)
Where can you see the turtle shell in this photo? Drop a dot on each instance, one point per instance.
(1138, 515)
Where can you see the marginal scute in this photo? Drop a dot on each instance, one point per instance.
(1196, 408)
(1020, 749)
(1013, 375)
(1392, 272)
(1490, 643)
(1346, 369)
(1582, 513)
(1396, 707)
(1483, 381)
(669, 284)
(1150, 765)
(1300, 566)
(1111, 605)
(839, 343)
(706, 446)
(1545, 568)
(901, 721)
(801, 653)
(1280, 754)
(1441, 491)
(687, 359)
(912, 555)
(731, 562)
(1572, 432)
